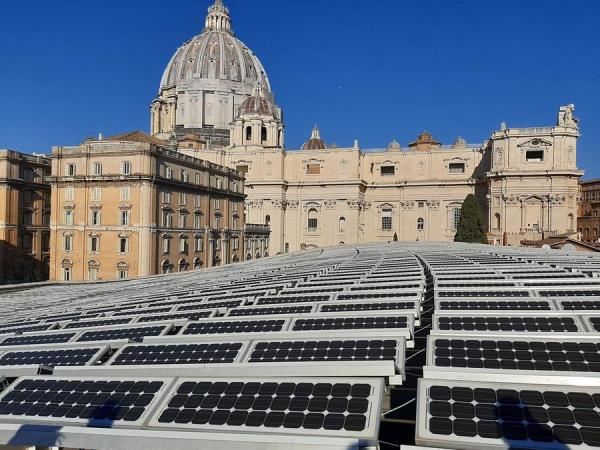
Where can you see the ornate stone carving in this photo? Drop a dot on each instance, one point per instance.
(433, 204)
(512, 200)
(408, 205)
(293, 204)
(566, 118)
(279, 204)
(330, 204)
(354, 204)
(254, 203)
(557, 199)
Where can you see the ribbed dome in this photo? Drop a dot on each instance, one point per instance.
(258, 103)
(215, 54)
(315, 142)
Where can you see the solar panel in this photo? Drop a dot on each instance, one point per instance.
(200, 353)
(235, 326)
(304, 309)
(490, 305)
(491, 415)
(52, 358)
(325, 407)
(98, 323)
(37, 339)
(176, 316)
(350, 323)
(133, 333)
(528, 323)
(76, 400)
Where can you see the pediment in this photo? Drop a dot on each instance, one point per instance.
(535, 143)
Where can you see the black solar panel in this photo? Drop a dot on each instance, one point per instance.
(529, 324)
(242, 326)
(325, 350)
(178, 354)
(350, 323)
(275, 405)
(570, 293)
(581, 305)
(270, 311)
(174, 316)
(370, 306)
(27, 328)
(292, 299)
(100, 403)
(50, 358)
(126, 333)
(98, 323)
(483, 294)
(516, 416)
(197, 306)
(507, 305)
(595, 321)
(518, 355)
(39, 339)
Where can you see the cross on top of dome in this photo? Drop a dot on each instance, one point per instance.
(218, 18)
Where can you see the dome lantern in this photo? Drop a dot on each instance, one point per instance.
(218, 18)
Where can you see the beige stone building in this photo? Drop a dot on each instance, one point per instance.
(130, 206)
(526, 179)
(24, 217)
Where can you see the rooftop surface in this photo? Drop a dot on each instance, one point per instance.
(371, 346)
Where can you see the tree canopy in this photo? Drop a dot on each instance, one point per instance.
(470, 226)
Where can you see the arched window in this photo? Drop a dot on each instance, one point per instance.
(455, 218)
(498, 221)
(342, 224)
(342, 243)
(122, 270)
(420, 224)
(263, 135)
(166, 266)
(267, 220)
(183, 265)
(248, 133)
(93, 268)
(313, 219)
(197, 263)
(248, 257)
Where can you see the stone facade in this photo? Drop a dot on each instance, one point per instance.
(24, 217)
(588, 222)
(129, 206)
(526, 179)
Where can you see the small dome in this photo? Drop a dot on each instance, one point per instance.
(394, 145)
(315, 142)
(258, 103)
(459, 143)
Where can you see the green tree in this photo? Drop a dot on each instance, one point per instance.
(470, 225)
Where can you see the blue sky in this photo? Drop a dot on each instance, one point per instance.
(369, 70)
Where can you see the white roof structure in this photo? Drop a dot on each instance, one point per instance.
(355, 347)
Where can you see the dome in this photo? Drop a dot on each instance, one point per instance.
(215, 54)
(315, 142)
(459, 143)
(258, 103)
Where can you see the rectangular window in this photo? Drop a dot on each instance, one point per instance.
(66, 274)
(45, 242)
(182, 198)
(28, 217)
(183, 245)
(126, 168)
(184, 176)
(313, 169)
(197, 221)
(386, 219)
(198, 244)
(387, 171)
(197, 179)
(166, 197)
(94, 244)
(68, 243)
(166, 245)
(168, 172)
(217, 204)
(535, 155)
(27, 197)
(197, 200)
(69, 194)
(97, 169)
(123, 245)
(167, 219)
(182, 220)
(122, 274)
(26, 242)
(312, 224)
(69, 218)
(71, 170)
(243, 169)
(456, 168)
(235, 223)
(125, 218)
(236, 243)
(126, 193)
(93, 273)
(96, 194)
(95, 218)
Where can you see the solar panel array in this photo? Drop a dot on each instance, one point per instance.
(369, 346)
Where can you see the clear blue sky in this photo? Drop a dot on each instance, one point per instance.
(368, 70)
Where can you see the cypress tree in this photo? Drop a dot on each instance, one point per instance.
(470, 225)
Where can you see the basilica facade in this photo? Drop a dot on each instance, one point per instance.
(215, 103)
